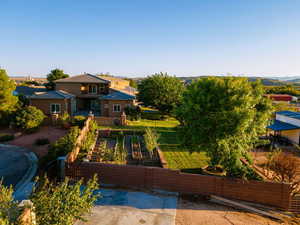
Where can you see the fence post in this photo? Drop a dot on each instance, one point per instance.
(61, 163)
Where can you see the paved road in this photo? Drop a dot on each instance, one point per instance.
(13, 164)
(121, 207)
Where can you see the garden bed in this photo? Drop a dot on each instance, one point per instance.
(123, 147)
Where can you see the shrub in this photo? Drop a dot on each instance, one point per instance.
(29, 118)
(64, 145)
(6, 137)
(78, 121)
(8, 207)
(91, 137)
(151, 115)
(133, 112)
(42, 141)
(63, 203)
(151, 140)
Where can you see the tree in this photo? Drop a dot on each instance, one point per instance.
(224, 117)
(63, 203)
(161, 91)
(8, 207)
(53, 76)
(29, 118)
(7, 100)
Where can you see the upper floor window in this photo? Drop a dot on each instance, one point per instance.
(92, 89)
(55, 108)
(117, 108)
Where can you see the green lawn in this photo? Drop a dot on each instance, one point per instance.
(176, 156)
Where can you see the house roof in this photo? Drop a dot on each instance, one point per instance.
(117, 95)
(279, 126)
(51, 95)
(291, 114)
(83, 78)
(25, 90)
(280, 97)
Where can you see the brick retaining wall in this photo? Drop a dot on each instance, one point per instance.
(273, 194)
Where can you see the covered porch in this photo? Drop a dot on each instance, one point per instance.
(284, 132)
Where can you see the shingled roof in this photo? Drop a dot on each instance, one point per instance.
(117, 95)
(51, 95)
(83, 78)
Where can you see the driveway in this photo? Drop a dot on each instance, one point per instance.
(120, 207)
(16, 166)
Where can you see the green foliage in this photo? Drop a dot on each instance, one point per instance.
(132, 83)
(78, 121)
(224, 117)
(7, 100)
(6, 137)
(287, 89)
(63, 203)
(64, 145)
(133, 112)
(90, 137)
(161, 91)
(151, 139)
(29, 118)
(151, 115)
(8, 207)
(54, 75)
(42, 141)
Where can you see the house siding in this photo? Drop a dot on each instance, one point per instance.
(292, 135)
(110, 103)
(44, 105)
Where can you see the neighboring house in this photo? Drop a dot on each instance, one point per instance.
(78, 95)
(277, 98)
(287, 124)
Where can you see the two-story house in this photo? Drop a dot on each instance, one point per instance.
(79, 95)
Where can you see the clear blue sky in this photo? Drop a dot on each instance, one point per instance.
(137, 38)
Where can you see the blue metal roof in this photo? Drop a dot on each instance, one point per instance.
(278, 126)
(291, 114)
(118, 95)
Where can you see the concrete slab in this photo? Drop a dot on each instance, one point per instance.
(121, 207)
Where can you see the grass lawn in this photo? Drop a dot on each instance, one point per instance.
(176, 156)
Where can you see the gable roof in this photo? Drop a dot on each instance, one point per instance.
(278, 126)
(83, 78)
(51, 95)
(117, 95)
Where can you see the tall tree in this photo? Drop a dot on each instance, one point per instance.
(54, 75)
(161, 91)
(7, 100)
(224, 116)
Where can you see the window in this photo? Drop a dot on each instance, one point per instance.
(116, 108)
(55, 108)
(92, 89)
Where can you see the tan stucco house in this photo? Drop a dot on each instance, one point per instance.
(82, 94)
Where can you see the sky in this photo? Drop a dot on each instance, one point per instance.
(140, 37)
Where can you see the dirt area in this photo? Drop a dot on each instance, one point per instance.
(28, 140)
(203, 212)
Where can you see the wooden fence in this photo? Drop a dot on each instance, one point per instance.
(272, 194)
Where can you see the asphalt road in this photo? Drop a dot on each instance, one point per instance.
(13, 164)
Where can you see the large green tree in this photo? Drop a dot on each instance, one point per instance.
(54, 75)
(225, 117)
(7, 99)
(161, 91)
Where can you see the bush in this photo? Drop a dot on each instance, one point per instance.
(42, 141)
(6, 137)
(151, 115)
(64, 145)
(133, 112)
(63, 203)
(91, 137)
(29, 118)
(78, 121)
(151, 140)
